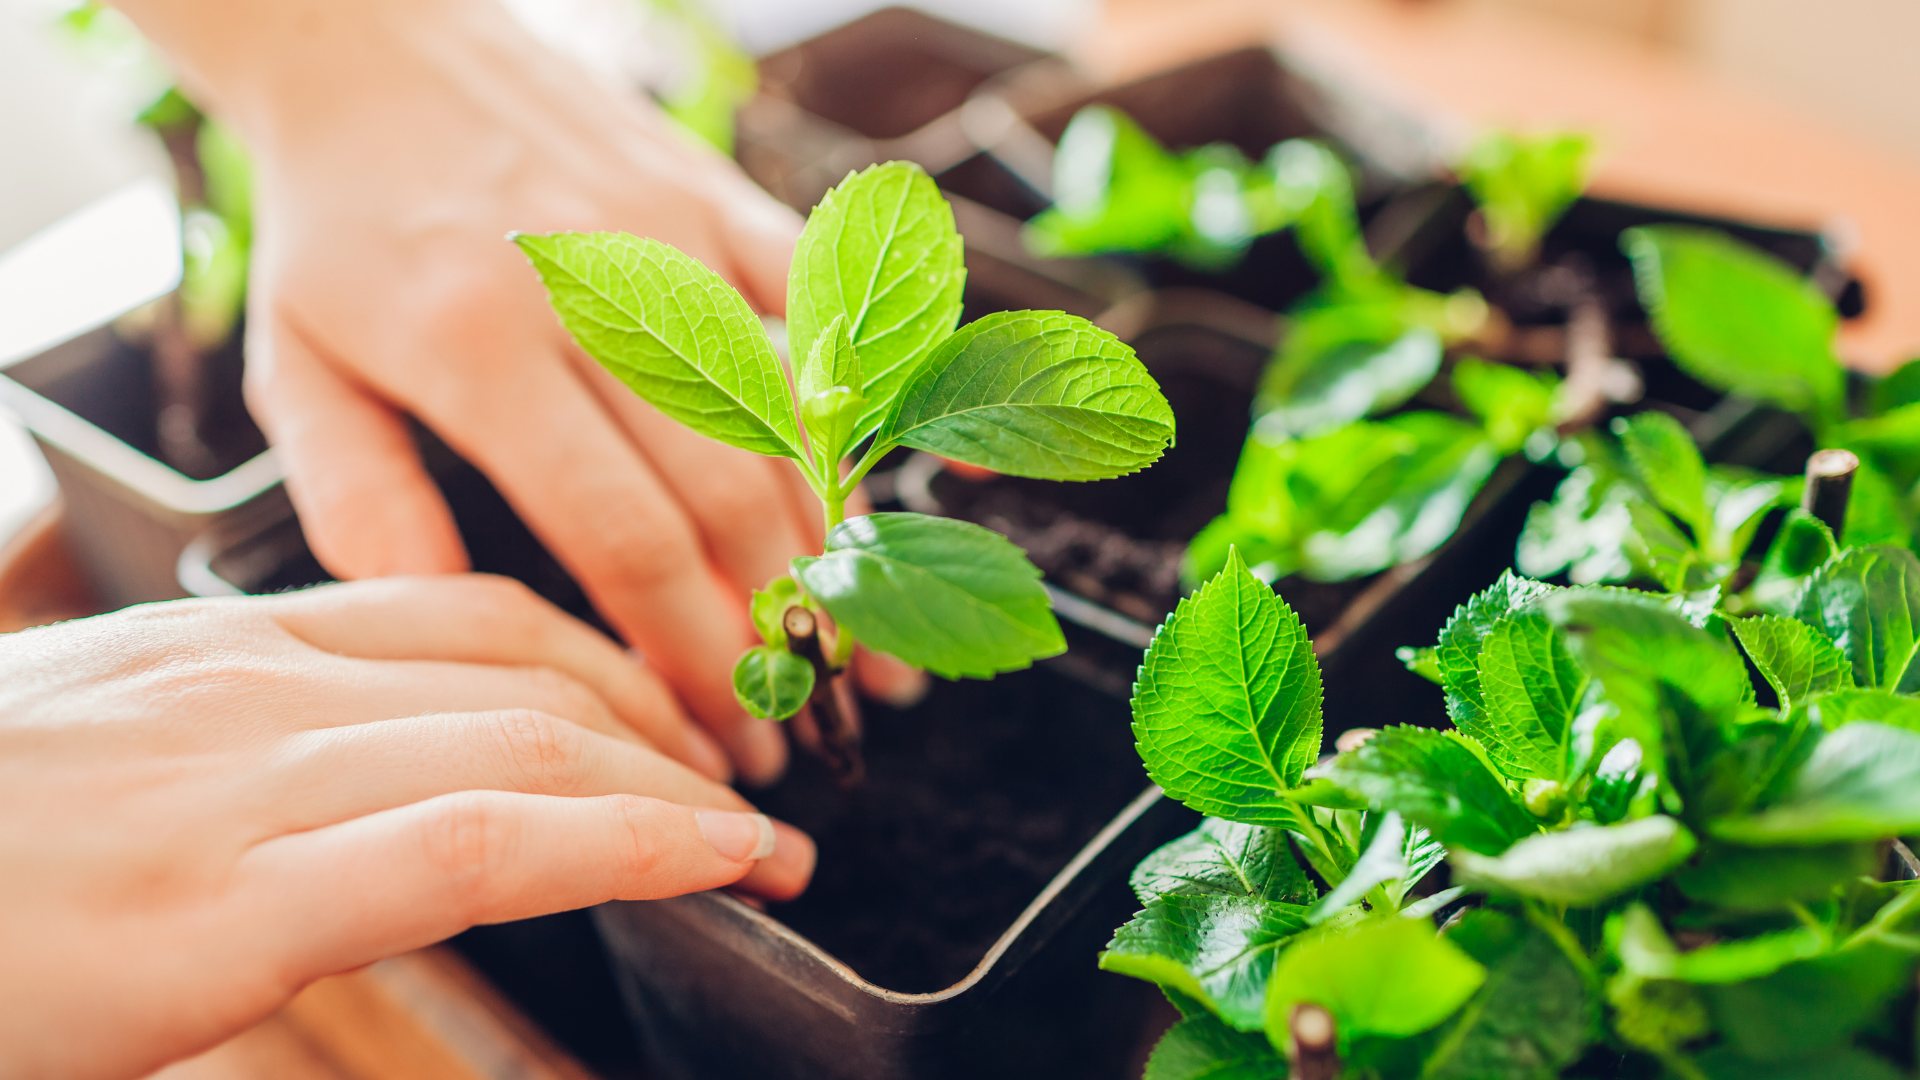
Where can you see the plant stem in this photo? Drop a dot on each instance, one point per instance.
(839, 735)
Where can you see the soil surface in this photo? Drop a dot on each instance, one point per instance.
(974, 800)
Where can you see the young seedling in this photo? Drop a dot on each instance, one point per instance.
(873, 302)
(1522, 185)
(1613, 782)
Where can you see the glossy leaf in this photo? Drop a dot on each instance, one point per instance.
(1203, 1048)
(1795, 659)
(1218, 950)
(1531, 688)
(1867, 602)
(944, 595)
(1582, 867)
(1858, 784)
(1669, 464)
(1041, 394)
(1439, 782)
(1115, 189)
(1834, 710)
(1225, 858)
(1530, 1019)
(1391, 977)
(881, 251)
(1511, 404)
(1458, 652)
(674, 332)
(1226, 710)
(1737, 319)
(1340, 364)
(770, 683)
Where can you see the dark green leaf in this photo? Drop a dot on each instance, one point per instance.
(944, 595)
(1899, 388)
(1859, 784)
(1382, 859)
(1795, 659)
(1531, 688)
(770, 683)
(1812, 1006)
(1224, 858)
(1388, 976)
(1458, 653)
(880, 250)
(1531, 1019)
(1867, 602)
(1203, 1048)
(1764, 879)
(1034, 393)
(1227, 706)
(1581, 867)
(1216, 949)
(674, 332)
(1737, 319)
(1438, 782)
(1669, 464)
(1833, 1063)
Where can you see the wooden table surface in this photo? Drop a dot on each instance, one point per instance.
(1671, 136)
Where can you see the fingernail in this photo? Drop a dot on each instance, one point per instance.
(739, 837)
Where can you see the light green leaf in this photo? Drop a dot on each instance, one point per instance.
(1203, 1048)
(1424, 662)
(1831, 711)
(944, 595)
(1858, 784)
(1511, 404)
(828, 380)
(1669, 464)
(1523, 184)
(1340, 363)
(1226, 710)
(1437, 781)
(1581, 867)
(830, 363)
(1531, 1018)
(880, 250)
(1218, 950)
(1867, 602)
(1795, 659)
(1034, 393)
(1391, 977)
(1225, 858)
(1115, 189)
(770, 683)
(1458, 653)
(674, 332)
(1532, 688)
(1423, 508)
(769, 609)
(1737, 319)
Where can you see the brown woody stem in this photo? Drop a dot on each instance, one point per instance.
(838, 736)
(1829, 483)
(1316, 1050)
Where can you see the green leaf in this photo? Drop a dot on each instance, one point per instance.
(1424, 662)
(1833, 1063)
(1218, 950)
(1225, 858)
(1389, 977)
(769, 609)
(828, 380)
(1867, 602)
(1203, 1048)
(1832, 711)
(1669, 464)
(1436, 781)
(1795, 659)
(674, 332)
(1382, 860)
(831, 362)
(770, 683)
(1328, 229)
(1523, 185)
(1737, 319)
(944, 595)
(1812, 1007)
(1531, 688)
(1226, 709)
(1765, 879)
(881, 251)
(1115, 189)
(1458, 653)
(1339, 363)
(1858, 784)
(1034, 393)
(1581, 867)
(1511, 404)
(1530, 1019)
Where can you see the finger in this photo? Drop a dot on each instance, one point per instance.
(379, 885)
(888, 679)
(481, 619)
(600, 506)
(365, 501)
(759, 234)
(329, 775)
(738, 500)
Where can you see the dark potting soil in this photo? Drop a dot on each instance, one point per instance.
(974, 799)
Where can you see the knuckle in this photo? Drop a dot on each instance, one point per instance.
(643, 553)
(644, 853)
(468, 842)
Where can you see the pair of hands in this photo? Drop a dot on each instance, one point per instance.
(395, 146)
(205, 805)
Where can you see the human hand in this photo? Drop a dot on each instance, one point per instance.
(395, 147)
(205, 805)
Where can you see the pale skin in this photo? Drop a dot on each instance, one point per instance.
(395, 145)
(206, 805)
